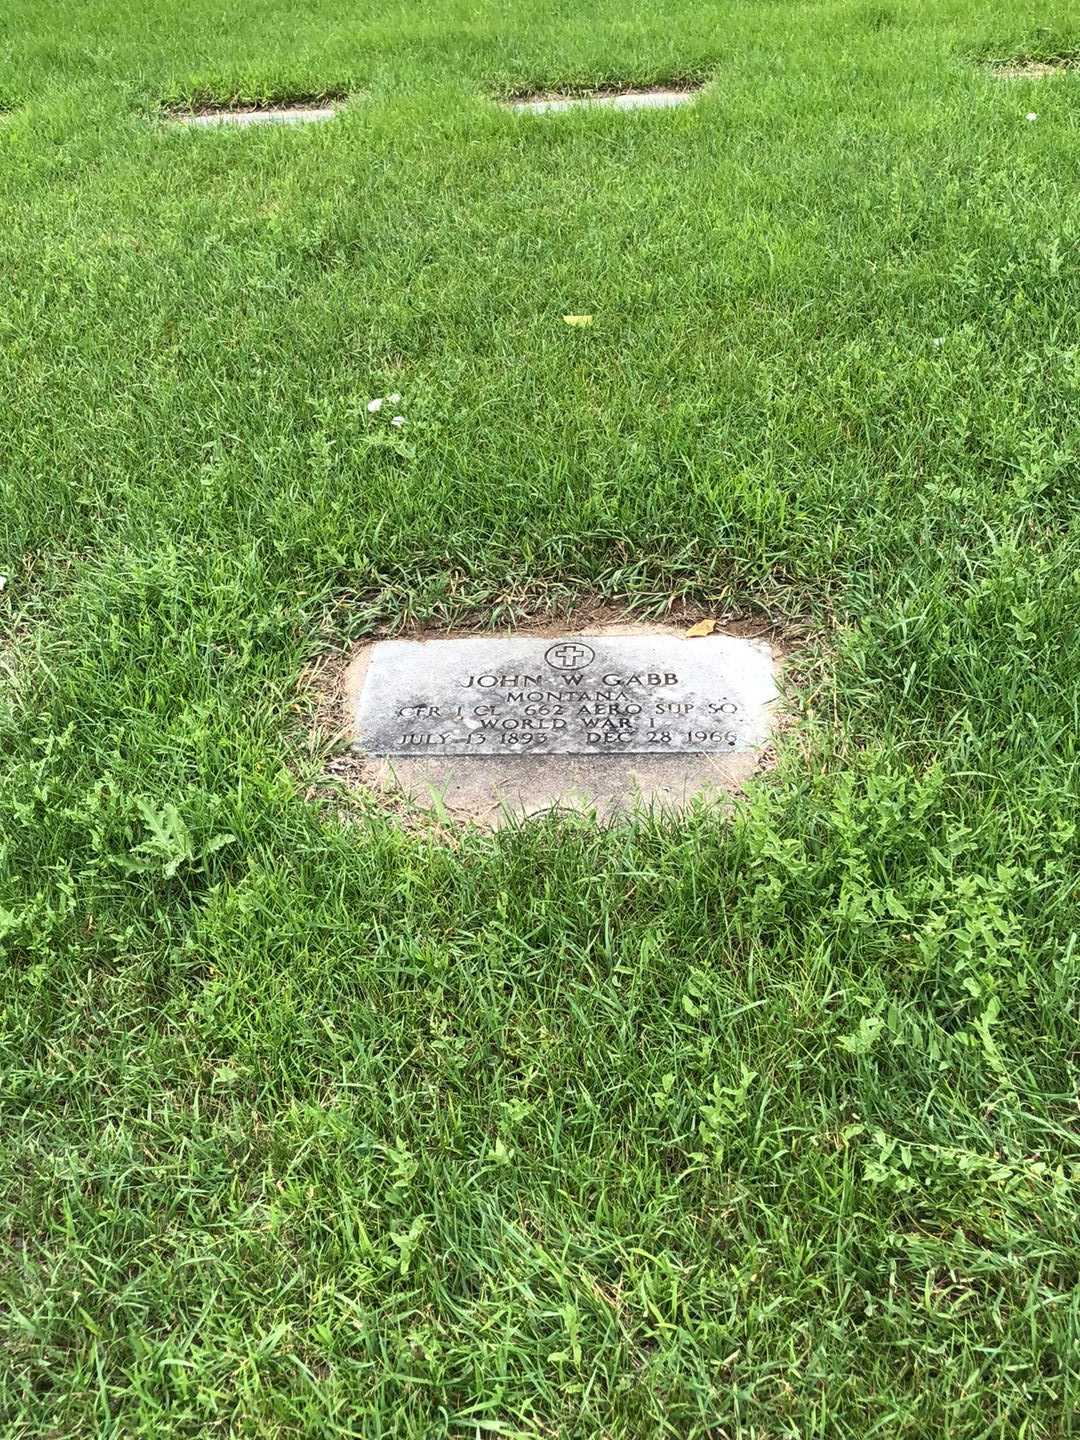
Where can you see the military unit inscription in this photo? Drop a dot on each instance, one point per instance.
(652, 694)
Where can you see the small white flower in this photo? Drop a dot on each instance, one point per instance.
(373, 406)
(937, 342)
(1031, 115)
(393, 399)
(398, 420)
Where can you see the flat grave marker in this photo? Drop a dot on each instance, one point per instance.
(625, 100)
(603, 718)
(283, 115)
(1033, 69)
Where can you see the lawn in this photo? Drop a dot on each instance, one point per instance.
(317, 1125)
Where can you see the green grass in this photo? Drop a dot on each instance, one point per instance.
(755, 1128)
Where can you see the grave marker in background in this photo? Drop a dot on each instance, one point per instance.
(284, 115)
(625, 100)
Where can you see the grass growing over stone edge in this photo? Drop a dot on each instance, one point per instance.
(204, 99)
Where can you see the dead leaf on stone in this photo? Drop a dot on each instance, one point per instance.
(703, 627)
(578, 319)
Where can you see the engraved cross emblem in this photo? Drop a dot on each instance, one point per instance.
(568, 655)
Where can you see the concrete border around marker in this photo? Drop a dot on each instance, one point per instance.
(658, 784)
(490, 790)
